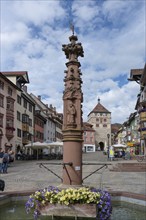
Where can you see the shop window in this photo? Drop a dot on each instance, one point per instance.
(89, 148)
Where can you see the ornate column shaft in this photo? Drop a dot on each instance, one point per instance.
(72, 119)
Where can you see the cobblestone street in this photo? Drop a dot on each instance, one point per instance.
(27, 175)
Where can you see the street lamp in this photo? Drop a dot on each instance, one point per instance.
(108, 136)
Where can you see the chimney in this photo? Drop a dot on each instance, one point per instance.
(39, 97)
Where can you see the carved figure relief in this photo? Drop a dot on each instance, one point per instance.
(71, 113)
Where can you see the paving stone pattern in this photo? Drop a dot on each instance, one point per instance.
(27, 175)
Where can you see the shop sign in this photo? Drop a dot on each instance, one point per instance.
(130, 144)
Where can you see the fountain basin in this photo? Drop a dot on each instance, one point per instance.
(127, 206)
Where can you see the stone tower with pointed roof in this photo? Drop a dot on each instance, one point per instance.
(100, 118)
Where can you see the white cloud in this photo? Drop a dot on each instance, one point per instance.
(113, 37)
(38, 12)
(86, 11)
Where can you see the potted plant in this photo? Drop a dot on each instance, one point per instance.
(83, 199)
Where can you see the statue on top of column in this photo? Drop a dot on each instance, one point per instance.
(73, 50)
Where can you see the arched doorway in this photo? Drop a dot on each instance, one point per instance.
(101, 144)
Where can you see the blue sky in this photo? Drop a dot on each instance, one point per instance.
(112, 33)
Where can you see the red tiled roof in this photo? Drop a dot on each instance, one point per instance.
(99, 109)
(14, 73)
(115, 127)
(87, 126)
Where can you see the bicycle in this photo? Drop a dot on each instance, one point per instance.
(140, 158)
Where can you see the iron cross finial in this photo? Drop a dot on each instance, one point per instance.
(72, 28)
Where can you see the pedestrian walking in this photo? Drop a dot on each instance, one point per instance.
(111, 154)
(123, 154)
(5, 161)
(11, 156)
(1, 160)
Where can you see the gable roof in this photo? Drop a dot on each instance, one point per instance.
(99, 108)
(9, 81)
(135, 74)
(22, 75)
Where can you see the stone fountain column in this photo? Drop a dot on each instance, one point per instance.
(72, 118)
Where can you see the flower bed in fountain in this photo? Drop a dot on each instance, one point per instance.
(81, 202)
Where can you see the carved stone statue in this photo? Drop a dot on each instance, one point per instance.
(71, 112)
